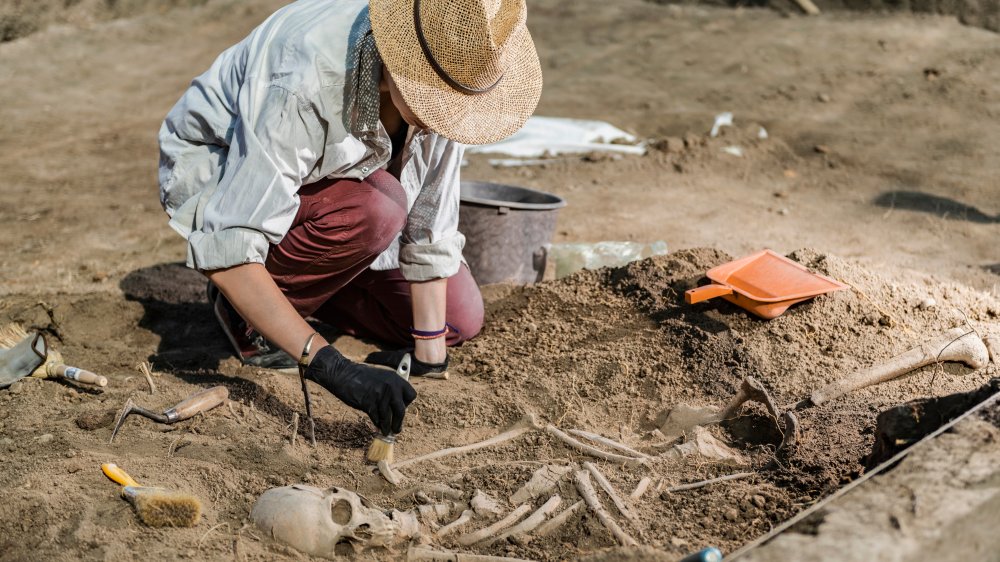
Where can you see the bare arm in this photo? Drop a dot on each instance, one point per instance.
(429, 307)
(256, 297)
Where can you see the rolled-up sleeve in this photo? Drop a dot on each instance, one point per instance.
(431, 245)
(275, 144)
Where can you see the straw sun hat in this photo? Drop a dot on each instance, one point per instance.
(467, 68)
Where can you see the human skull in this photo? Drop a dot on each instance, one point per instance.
(316, 521)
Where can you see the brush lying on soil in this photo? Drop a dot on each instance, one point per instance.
(54, 366)
(156, 507)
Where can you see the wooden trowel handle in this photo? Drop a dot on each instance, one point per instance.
(78, 375)
(706, 292)
(199, 402)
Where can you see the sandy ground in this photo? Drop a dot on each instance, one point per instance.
(878, 171)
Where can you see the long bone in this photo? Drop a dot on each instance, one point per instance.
(486, 532)
(586, 490)
(559, 520)
(957, 344)
(532, 521)
(616, 499)
(683, 418)
(524, 425)
(609, 442)
(462, 520)
(594, 451)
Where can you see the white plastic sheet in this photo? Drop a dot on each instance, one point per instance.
(551, 136)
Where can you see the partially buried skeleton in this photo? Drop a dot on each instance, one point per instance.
(316, 521)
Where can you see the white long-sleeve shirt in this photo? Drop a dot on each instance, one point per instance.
(289, 105)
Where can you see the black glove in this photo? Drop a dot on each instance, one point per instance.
(418, 368)
(381, 394)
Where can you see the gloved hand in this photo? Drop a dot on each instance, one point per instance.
(381, 394)
(418, 368)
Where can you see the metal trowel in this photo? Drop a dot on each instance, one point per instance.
(22, 359)
(198, 402)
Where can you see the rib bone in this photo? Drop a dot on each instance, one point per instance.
(462, 520)
(590, 496)
(532, 521)
(543, 481)
(559, 520)
(486, 532)
(620, 504)
(593, 451)
(609, 442)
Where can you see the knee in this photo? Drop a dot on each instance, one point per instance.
(385, 209)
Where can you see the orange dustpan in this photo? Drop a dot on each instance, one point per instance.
(764, 283)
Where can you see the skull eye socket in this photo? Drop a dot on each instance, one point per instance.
(341, 512)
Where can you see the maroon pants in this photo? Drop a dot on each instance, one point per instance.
(321, 265)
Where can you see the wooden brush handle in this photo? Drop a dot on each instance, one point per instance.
(200, 402)
(77, 374)
(114, 472)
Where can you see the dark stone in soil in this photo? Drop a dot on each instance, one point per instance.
(95, 420)
(899, 427)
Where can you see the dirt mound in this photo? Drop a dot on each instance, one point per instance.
(608, 351)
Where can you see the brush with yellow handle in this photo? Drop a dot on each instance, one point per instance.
(54, 366)
(156, 507)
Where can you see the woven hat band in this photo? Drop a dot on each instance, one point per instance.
(438, 69)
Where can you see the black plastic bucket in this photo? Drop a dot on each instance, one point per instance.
(506, 230)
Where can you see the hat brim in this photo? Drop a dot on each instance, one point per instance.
(468, 119)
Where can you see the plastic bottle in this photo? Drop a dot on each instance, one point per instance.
(574, 256)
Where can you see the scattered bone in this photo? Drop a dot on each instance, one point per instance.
(388, 473)
(524, 425)
(605, 485)
(586, 490)
(558, 521)
(421, 554)
(295, 428)
(640, 488)
(487, 532)
(593, 451)
(957, 344)
(705, 444)
(790, 437)
(462, 520)
(146, 371)
(432, 514)
(409, 525)
(532, 521)
(993, 347)
(543, 481)
(433, 489)
(703, 483)
(608, 442)
(486, 506)
(683, 418)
